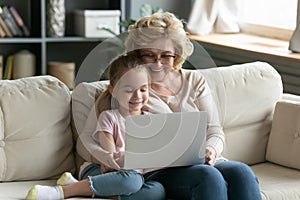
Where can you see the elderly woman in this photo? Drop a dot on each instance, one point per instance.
(160, 42)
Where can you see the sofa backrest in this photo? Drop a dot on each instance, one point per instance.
(246, 95)
(35, 133)
(84, 96)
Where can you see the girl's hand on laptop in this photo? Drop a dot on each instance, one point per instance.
(105, 169)
(119, 159)
(210, 156)
(105, 158)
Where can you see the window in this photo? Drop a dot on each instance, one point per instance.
(268, 17)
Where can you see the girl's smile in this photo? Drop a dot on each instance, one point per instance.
(131, 91)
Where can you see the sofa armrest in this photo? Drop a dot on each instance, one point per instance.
(35, 132)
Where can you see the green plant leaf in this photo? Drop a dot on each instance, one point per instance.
(157, 10)
(109, 30)
(147, 10)
(126, 23)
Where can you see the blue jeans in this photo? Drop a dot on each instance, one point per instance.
(227, 180)
(127, 184)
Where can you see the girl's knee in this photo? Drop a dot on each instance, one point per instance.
(132, 181)
(151, 190)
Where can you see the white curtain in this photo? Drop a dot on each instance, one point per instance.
(210, 16)
(295, 40)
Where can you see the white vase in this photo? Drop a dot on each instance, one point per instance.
(56, 14)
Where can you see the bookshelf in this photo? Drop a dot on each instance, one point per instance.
(70, 48)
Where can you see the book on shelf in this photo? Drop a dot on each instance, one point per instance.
(5, 28)
(1, 67)
(19, 21)
(8, 67)
(2, 32)
(10, 22)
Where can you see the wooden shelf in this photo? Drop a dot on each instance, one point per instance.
(229, 49)
(251, 43)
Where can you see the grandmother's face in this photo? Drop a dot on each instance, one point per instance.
(159, 57)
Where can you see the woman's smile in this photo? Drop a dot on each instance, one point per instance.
(156, 68)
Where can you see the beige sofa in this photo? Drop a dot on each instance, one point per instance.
(262, 127)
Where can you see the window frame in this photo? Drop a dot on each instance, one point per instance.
(267, 30)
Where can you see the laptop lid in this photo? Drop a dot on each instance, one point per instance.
(165, 140)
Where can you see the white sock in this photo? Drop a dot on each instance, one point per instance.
(66, 179)
(40, 192)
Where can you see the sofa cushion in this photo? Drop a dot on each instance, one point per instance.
(35, 137)
(9, 191)
(18, 189)
(284, 142)
(277, 182)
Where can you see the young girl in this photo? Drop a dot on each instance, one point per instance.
(126, 94)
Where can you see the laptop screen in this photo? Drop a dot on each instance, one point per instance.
(165, 140)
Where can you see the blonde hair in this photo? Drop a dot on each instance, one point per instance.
(117, 68)
(160, 25)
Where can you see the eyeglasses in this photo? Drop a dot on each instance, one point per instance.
(164, 58)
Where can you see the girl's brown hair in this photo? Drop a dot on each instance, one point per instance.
(117, 68)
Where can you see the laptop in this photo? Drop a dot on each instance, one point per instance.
(165, 140)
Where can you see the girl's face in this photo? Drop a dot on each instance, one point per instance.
(131, 92)
(159, 58)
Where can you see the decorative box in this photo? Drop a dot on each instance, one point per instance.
(91, 23)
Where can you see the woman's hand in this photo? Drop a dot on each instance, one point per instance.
(210, 156)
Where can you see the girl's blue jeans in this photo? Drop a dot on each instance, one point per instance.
(227, 180)
(127, 184)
